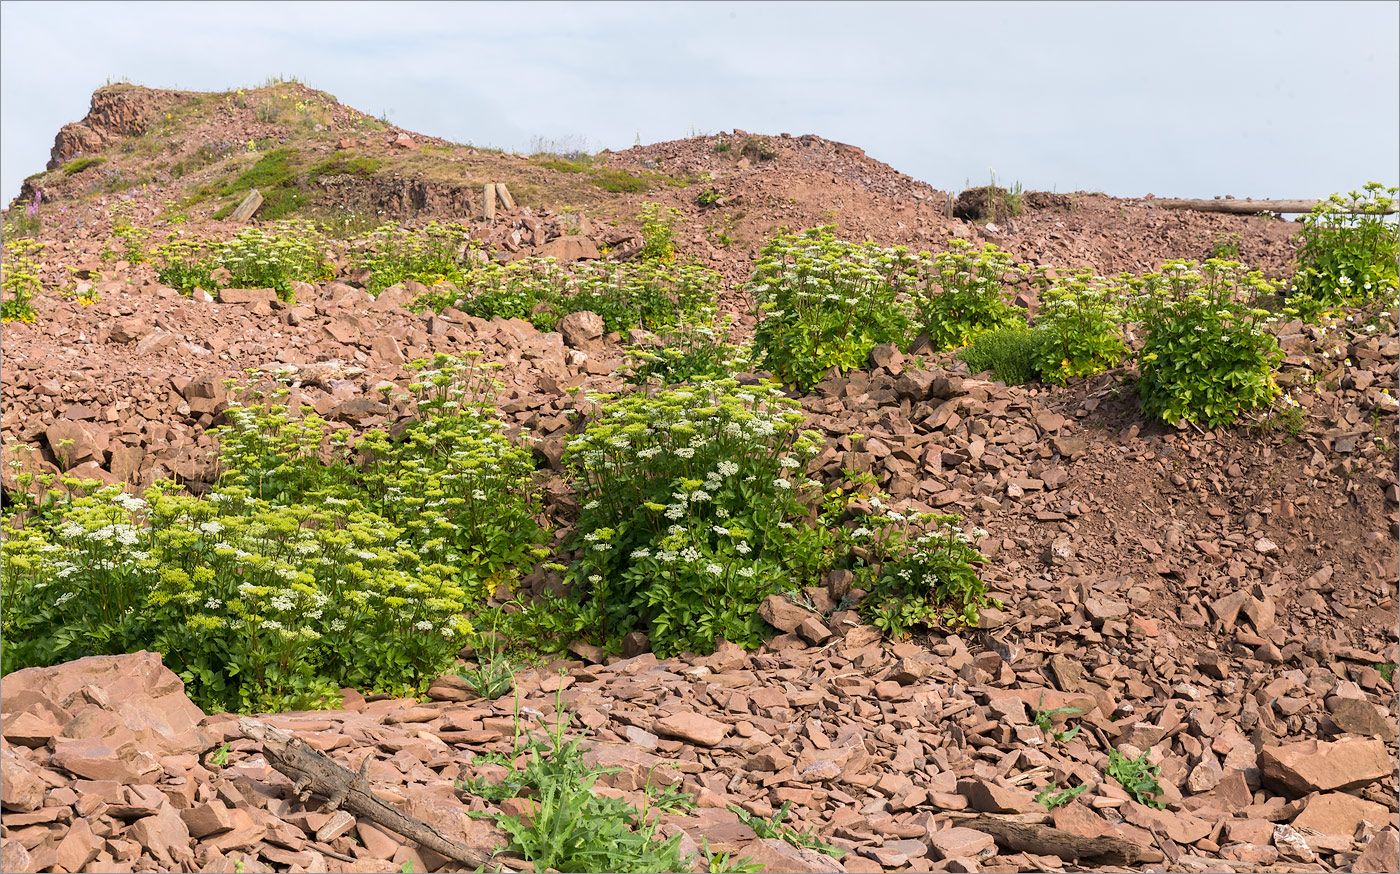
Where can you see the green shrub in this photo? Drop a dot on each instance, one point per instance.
(920, 573)
(633, 294)
(73, 168)
(658, 233)
(826, 303)
(291, 251)
(690, 353)
(970, 297)
(692, 512)
(1347, 259)
(315, 563)
(1010, 353)
(20, 281)
(430, 255)
(619, 181)
(462, 493)
(255, 606)
(1207, 357)
(1079, 325)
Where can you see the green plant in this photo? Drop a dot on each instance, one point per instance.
(920, 571)
(619, 181)
(722, 145)
(255, 606)
(569, 828)
(721, 863)
(291, 251)
(344, 164)
(1387, 670)
(433, 254)
(1225, 247)
(1079, 326)
(1045, 721)
(708, 197)
(689, 353)
(493, 676)
(1010, 353)
(1137, 776)
(658, 232)
(971, 295)
(776, 827)
(826, 303)
(72, 168)
(315, 563)
(463, 494)
(1349, 252)
(692, 513)
(642, 293)
(1003, 202)
(1288, 416)
(20, 281)
(1207, 357)
(219, 758)
(1052, 797)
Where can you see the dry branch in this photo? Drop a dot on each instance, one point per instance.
(1254, 207)
(312, 771)
(1032, 834)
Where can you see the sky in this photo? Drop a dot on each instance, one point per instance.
(1255, 99)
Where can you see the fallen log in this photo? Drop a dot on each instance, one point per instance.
(1031, 833)
(313, 772)
(1255, 207)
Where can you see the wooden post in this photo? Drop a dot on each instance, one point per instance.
(488, 202)
(246, 209)
(1252, 207)
(507, 201)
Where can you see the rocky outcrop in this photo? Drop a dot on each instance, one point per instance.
(116, 112)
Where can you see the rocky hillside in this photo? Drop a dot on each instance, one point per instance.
(1221, 600)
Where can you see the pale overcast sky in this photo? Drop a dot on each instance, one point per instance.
(1188, 99)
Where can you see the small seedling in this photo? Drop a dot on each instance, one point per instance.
(774, 827)
(721, 863)
(1044, 720)
(1052, 796)
(1137, 777)
(1387, 670)
(219, 758)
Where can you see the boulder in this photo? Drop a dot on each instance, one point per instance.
(1337, 813)
(1315, 766)
(582, 330)
(693, 728)
(782, 614)
(570, 249)
(144, 702)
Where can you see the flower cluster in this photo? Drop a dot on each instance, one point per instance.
(1079, 323)
(291, 251)
(694, 509)
(255, 605)
(1350, 252)
(825, 303)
